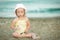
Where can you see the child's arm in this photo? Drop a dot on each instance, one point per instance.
(13, 23)
(28, 25)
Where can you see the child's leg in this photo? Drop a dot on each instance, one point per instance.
(29, 35)
(15, 34)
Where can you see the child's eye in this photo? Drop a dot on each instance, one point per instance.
(20, 11)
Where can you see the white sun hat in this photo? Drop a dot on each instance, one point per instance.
(20, 6)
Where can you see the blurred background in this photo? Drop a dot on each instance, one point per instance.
(44, 16)
(35, 8)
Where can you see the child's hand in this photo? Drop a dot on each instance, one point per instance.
(17, 28)
(12, 28)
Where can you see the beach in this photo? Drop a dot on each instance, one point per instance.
(44, 16)
(46, 28)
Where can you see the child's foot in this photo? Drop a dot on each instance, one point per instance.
(34, 36)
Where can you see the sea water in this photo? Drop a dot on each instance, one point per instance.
(35, 8)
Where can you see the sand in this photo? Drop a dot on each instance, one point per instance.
(46, 28)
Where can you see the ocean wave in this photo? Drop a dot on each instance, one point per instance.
(45, 10)
(49, 10)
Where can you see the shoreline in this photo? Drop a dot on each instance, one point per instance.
(31, 17)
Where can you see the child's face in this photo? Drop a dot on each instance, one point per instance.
(20, 12)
